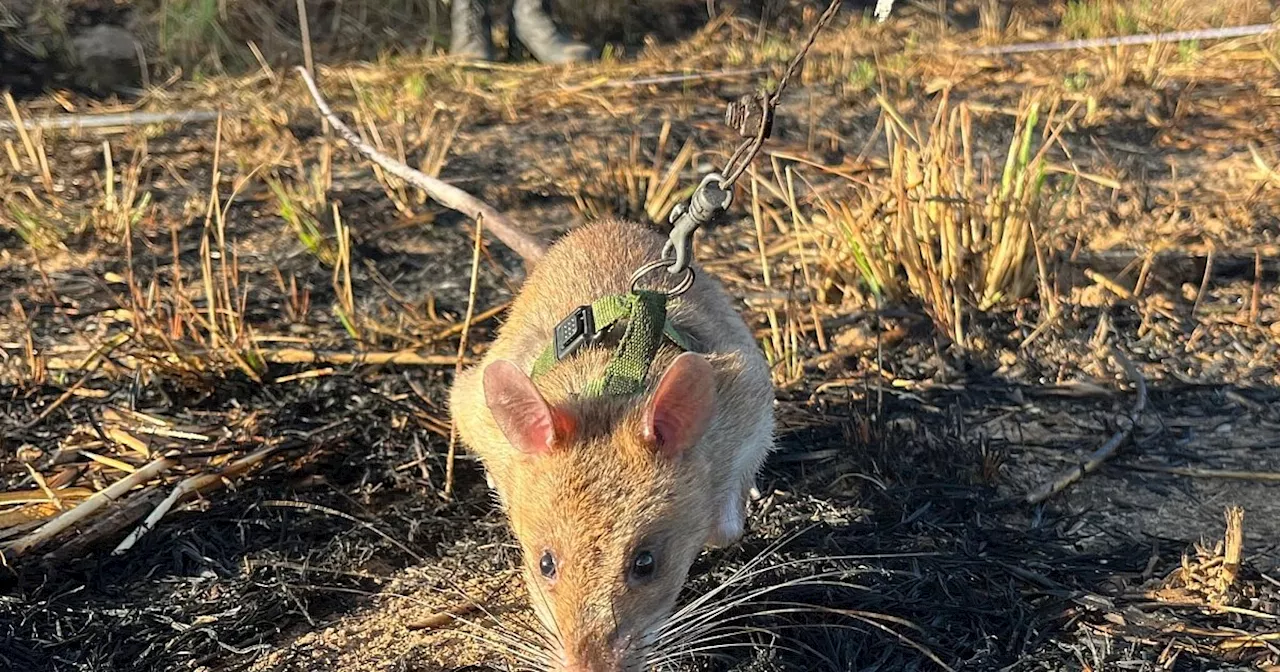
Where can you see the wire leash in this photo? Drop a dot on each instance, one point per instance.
(752, 117)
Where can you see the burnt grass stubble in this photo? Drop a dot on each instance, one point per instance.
(990, 582)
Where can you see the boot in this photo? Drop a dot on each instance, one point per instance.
(470, 36)
(539, 34)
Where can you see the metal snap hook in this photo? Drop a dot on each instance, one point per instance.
(709, 201)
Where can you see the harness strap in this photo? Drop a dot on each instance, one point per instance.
(647, 325)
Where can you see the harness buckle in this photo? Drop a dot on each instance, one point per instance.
(575, 331)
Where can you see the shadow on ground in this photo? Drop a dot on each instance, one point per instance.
(911, 513)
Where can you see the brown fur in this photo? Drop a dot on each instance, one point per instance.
(606, 493)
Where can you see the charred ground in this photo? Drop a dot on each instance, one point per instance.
(905, 456)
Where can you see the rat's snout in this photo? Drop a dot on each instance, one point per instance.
(600, 653)
(591, 662)
(611, 663)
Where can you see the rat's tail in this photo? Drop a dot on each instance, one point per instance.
(506, 230)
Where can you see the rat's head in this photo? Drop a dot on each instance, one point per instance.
(609, 501)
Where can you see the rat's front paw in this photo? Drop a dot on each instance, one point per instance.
(730, 525)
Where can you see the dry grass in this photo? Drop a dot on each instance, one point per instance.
(1106, 18)
(121, 208)
(955, 230)
(297, 204)
(251, 296)
(210, 37)
(636, 185)
(45, 218)
(207, 36)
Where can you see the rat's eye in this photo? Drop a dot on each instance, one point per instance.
(643, 565)
(547, 565)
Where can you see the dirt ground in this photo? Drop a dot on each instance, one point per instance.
(897, 499)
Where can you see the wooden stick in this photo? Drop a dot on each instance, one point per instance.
(90, 506)
(112, 462)
(123, 438)
(122, 514)
(312, 373)
(506, 229)
(189, 487)
(41, 496)
(1106, 450)
(44, 486)
(70, 392)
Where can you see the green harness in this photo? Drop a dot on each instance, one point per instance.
(645, 313)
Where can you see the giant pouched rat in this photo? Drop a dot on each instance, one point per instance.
(611, 497)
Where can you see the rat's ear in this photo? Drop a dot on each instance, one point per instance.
(531, 424)
(681, 407)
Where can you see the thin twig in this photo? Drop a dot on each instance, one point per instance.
(282, 356)
(189, 487)
(1197, 472)
(1255, 295)
(444, 618)
(483, 316)
(507, 230)
(44, 486)
(683, 77)
(1108, 283)
(1141, 284)
(305, 27)
(114, 120)
(462, 351)
(330, 511)
(1104, 452)
(21, 126)
(70, 392)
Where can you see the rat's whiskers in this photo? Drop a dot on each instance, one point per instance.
(690, 621)
(507, 641)
(724, 629)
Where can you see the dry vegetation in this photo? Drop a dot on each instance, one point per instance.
(225, 343)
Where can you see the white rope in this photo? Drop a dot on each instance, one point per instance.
(1153, 38)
